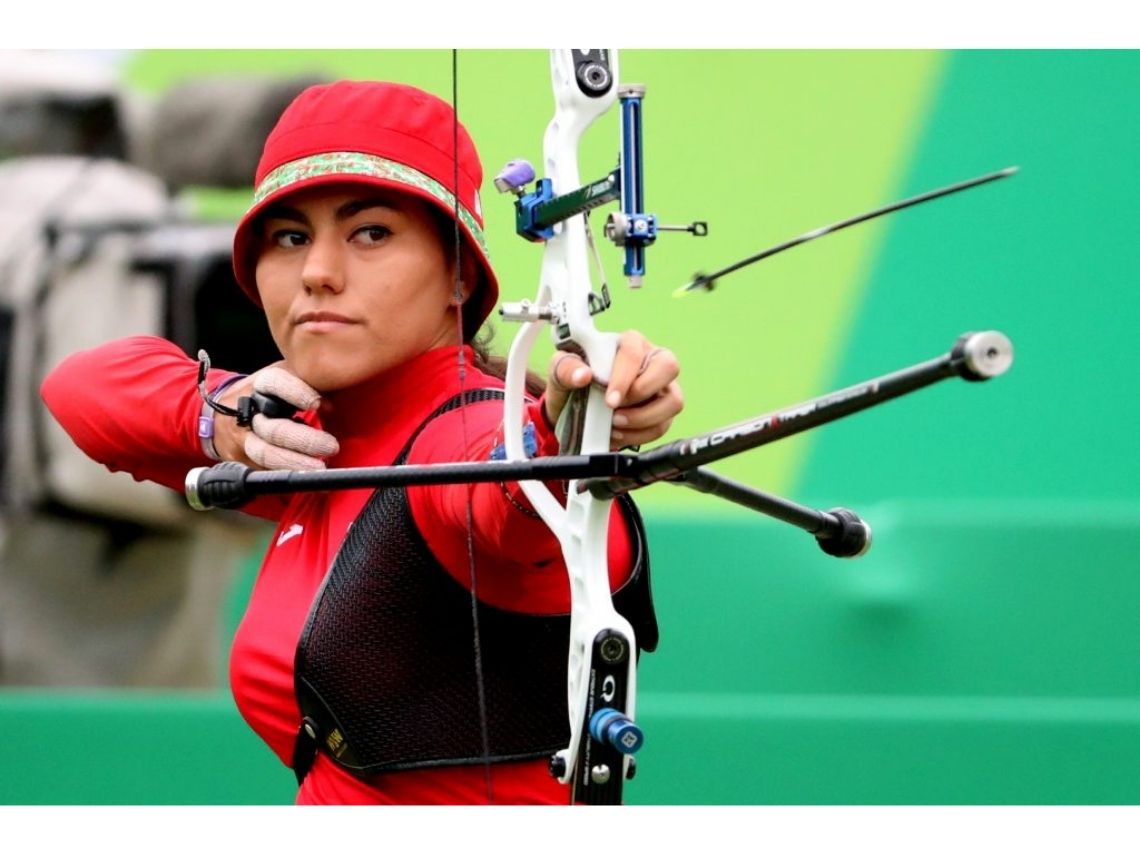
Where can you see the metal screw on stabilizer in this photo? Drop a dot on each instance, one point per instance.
(600, 774)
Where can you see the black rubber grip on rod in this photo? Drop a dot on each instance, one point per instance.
(222, 485)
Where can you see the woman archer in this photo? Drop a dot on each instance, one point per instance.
(353, 661)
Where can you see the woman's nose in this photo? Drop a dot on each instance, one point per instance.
(323, 268)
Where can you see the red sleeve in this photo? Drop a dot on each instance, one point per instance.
(133, 405)
(518, 560)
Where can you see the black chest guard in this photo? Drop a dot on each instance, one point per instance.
(385, 671)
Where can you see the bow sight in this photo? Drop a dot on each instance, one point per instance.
(539, 211)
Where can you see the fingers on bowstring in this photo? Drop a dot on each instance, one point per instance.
(292, 436)
(270, 456)
(289, 387)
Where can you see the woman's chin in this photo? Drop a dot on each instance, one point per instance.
(322, 376)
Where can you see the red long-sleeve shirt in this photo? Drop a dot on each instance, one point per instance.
(133, 405)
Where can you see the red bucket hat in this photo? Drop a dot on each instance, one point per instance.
(381, 134)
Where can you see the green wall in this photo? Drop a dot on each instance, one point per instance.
(960, 666)
(984, 651)
(1049, 256)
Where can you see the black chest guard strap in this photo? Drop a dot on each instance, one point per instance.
(385, 670)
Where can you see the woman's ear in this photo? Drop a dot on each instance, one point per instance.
(468, 279)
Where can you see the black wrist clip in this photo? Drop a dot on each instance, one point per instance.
(266, 404)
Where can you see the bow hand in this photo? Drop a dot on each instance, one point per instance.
(642, 391)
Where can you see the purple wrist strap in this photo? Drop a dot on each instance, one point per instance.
(206, 419)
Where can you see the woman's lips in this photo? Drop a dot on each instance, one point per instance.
(323, 321)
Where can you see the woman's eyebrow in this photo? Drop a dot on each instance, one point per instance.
(346, 211)
(352, 208)
(284, 212)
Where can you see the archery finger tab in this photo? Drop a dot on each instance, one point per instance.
(278, 382)
(295, 437)
(273, 457)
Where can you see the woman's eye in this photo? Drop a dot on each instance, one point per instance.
(288, 239)
(371, 234)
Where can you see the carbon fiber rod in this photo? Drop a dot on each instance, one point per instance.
(840, 532)
(975, 356)
(711, 483)
(232, 484)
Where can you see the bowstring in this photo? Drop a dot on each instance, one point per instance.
(480, 685)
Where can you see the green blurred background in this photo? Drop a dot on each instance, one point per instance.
(985, 650)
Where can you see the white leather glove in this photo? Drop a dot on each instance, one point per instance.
(281, 443)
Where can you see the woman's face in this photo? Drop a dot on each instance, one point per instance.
(355, 281)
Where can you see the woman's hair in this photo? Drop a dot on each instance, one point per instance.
(480, 339)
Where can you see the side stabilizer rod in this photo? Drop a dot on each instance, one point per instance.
(840, 532)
